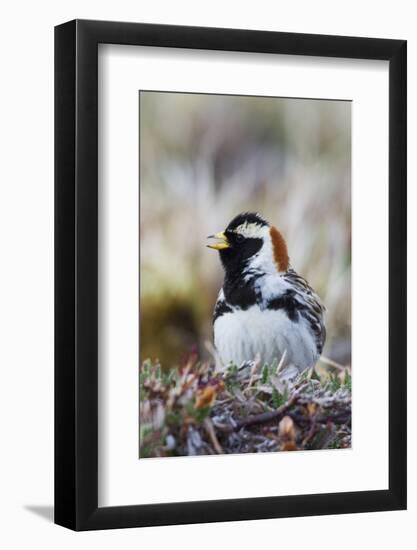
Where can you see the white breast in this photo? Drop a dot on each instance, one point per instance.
(244, 334)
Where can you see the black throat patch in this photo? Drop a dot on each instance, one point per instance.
(239, 292)
(235, 259)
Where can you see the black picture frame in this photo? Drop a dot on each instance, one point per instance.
(76, 272)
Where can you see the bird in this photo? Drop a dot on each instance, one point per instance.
(265, 310)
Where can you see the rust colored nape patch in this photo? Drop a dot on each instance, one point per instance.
(279, 246)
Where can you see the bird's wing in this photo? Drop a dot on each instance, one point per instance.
(310, 306)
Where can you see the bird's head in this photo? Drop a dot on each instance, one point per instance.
(250, 242)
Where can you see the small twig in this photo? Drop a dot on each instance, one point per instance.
(311, 431)
(216, 357)
(331, 363)
(281, 362)
(254, 368)
(221, 402)
(267, 416)
(340, 418)
(262, 418)
(212, 434)
(250, 389)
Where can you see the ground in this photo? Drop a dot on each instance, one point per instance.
(194, 410)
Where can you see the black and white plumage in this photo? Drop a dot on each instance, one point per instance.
(265, 309)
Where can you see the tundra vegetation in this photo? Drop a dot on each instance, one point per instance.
(194, 410)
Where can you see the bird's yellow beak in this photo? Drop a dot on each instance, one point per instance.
(222, 245)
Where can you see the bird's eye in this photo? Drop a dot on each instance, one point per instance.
(239, 238)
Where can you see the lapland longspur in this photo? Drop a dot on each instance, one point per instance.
(265, 309)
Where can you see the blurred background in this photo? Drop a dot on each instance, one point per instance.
(204, 159)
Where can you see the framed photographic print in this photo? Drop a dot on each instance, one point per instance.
(230, 252)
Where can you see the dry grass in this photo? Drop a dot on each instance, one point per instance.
(193, 410)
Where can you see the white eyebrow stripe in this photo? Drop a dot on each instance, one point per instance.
(251, 230)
